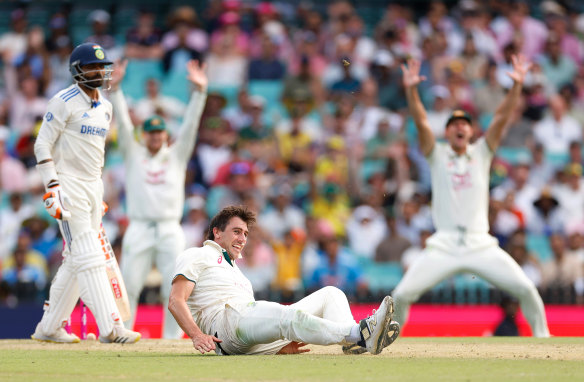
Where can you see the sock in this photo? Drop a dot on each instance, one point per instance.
(355, 335)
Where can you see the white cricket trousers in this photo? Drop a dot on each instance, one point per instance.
(322, 318)
(491, 263)
(82, 273)
(145, 244)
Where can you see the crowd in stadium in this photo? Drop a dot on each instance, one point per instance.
(306, 123)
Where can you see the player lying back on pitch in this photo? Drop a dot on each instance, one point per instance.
(214, 304)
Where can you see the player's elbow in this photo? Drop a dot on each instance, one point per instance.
(173, 304)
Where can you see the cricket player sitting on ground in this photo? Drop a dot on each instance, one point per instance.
(214, 304)
(155, 179)
(70, 154)
(460, 201)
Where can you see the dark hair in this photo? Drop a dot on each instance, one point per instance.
(226, 214)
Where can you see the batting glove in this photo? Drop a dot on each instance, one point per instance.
(55, 200)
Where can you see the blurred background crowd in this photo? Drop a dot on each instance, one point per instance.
(306, 123)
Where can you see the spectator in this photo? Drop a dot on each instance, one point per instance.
(267, 66)
(25, 280)
(541, 171)
(339, 268)
(282, 216)
(415, 252)
(59, 66)
(571, 195)
(184, 31)
(144, 40)
(529, 264)
(547, 218)
(288, 250)
(11, 219)
(169, 108)
(558, 68)
(561, 274)
(394, 245)
(258, 265)
(100, 24)
(365, 222)
(195, 223)
(13, 43)
(226, 63)
(557, 129)
(27, 106)
(13, 176)
(239, 115)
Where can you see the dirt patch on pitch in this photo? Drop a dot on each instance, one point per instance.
(554, 349)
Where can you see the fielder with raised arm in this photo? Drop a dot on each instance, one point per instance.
(214, 304)
(460, 201)
(155, 183)
(70, 154)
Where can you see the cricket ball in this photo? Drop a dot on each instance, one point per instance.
(91, 336)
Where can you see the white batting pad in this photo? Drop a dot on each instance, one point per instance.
(63, 296)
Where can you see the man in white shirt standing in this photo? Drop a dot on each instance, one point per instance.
(70, 153)
(214, 304)
(155, 179)
(460, 200)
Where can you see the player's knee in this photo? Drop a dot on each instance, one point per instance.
(334, 292)
(86, 252)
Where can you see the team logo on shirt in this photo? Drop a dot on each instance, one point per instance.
(49, 116)
(220, 260)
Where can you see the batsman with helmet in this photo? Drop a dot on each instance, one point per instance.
(70, 154)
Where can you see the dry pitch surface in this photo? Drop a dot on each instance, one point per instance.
(408, 359)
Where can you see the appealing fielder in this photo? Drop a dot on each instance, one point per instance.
(460, 200)
(214, 304)
(70, 154)
(155, 178)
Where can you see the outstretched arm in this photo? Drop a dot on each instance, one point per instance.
(185, 142)
(125, 125)
(177, 304)
(494, 133)
(411, 79)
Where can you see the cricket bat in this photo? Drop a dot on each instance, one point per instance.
(115, 277)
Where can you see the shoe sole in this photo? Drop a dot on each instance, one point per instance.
(118, 341)
(75, 341)
(386, 323)
(393, 332)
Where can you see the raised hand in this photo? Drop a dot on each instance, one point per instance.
(520, 68)
(119, 73)
(411, 73)
(196, 74)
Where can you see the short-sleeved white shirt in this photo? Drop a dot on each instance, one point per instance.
(460, 187)
(73, 133)
(216, 283)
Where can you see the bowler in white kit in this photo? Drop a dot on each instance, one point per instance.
(460, 201)
(155, 182)
(70, 154)
(214, 304)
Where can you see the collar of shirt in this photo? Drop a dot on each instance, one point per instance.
(88, 99)
(220, 249)
(454, 155)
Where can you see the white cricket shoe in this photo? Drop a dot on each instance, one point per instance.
(60, 336)
(121, 335)
(374, 329)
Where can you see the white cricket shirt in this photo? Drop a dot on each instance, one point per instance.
(155, 183)
(73, 133)
(460, 187)
(216, 283)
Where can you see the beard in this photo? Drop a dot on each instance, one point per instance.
(94, 83)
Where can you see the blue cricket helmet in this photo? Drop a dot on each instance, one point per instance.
(86, 54)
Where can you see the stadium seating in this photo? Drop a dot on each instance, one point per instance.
(540, 246)
(137, 73)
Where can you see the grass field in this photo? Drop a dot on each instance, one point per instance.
(408, 359)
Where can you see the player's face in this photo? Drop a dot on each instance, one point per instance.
(234, 237)
(155, 139)
(94, 74)
(458, 133)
